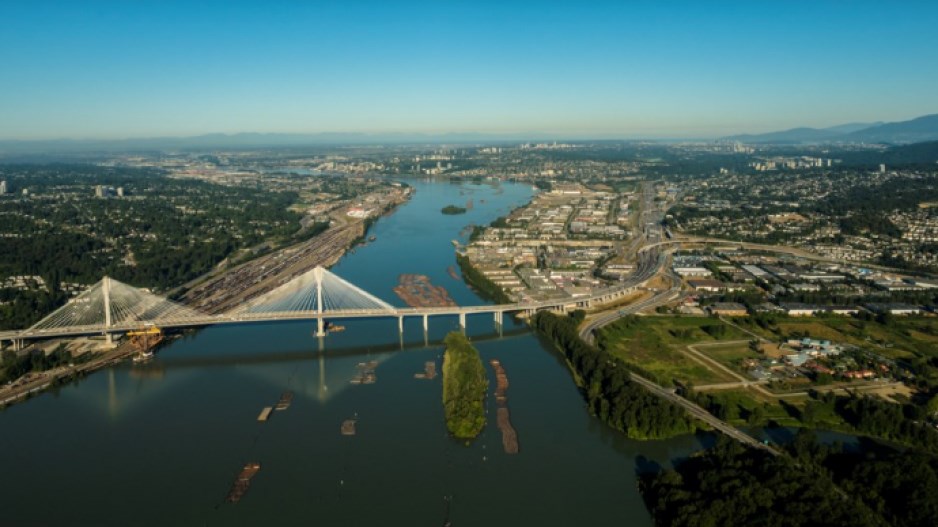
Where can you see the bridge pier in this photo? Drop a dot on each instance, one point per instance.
(426, 323)
(462, 320)
(400, 325)
(320, 327)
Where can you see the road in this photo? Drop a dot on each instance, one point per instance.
(652, 259)
(701, 414)
(663, 297)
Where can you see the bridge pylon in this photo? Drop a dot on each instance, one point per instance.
(106, 292)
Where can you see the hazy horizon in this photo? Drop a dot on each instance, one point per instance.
(670, 70)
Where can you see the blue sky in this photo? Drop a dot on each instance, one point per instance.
(87, 69)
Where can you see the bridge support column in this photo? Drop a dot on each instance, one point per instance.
(426, 323)
(320, 327)
(462, 320)
(400, 325)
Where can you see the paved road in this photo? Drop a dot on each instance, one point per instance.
(588, 331)
(701, 414)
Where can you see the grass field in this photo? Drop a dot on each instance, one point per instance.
(655, 343)
(730, 355)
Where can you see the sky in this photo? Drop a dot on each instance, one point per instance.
(109, 70)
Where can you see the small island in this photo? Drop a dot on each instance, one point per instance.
(464, 387)
(453, 209)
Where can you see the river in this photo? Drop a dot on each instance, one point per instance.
(161, 444)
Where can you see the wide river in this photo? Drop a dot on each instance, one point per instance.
(161, 444)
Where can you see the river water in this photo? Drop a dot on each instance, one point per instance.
(160, 445)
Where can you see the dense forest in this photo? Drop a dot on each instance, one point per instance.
(464, 387)
(161, 233)
(730, 484)
(874, 417)
(900, 485)
(611, 394)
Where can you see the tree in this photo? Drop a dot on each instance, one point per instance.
(931, 407)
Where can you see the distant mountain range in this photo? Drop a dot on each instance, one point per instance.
(920, 129)
(251, 140)
(916, 130)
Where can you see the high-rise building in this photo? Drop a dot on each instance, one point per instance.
(99, 191)
(120, 192)
(882, 169)
(3, 187)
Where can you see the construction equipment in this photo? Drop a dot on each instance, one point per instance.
(146, 338)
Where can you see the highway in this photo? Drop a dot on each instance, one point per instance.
(652, 259)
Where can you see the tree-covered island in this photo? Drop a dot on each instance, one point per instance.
(453, 210)
(464, 387)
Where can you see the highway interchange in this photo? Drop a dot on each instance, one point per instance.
(651, 259)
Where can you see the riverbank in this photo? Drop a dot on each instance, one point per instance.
(610, 393)
(264, 273)
(40, 381)
(213, 384)
(486, 288)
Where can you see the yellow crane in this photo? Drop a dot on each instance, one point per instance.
(150, 331)
(143, 339)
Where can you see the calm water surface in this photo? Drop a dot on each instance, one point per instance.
(161, 445)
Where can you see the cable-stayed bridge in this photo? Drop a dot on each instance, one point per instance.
(111, 307)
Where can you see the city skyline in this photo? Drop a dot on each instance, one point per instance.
(112, 71)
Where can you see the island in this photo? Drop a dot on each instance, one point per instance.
(453, 209)
(464, 387)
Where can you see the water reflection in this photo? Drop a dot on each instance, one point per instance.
(158, 444)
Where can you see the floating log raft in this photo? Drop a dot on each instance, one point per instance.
(285, 399)
(509, 436)
(242, 482)
(348, 427)
(366, 373)
(417, 291)
(429, 371)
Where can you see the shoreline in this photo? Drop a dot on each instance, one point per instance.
(44, 381)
